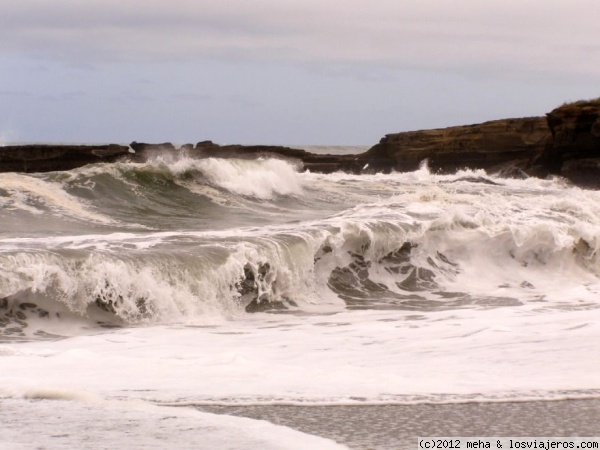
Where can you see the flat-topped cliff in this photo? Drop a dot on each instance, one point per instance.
(489, 145)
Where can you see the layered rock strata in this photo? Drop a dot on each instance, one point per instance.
(493, 146)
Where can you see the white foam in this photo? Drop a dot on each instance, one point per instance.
(27, 192)
(121, 267)
(85, 421)
(371, 356)
(263, 179)
(259, 178)
(169, 292)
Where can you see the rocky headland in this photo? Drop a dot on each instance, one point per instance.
(493, 146)
(565, 142)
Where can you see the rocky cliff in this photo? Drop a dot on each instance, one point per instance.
(566, 142)
(493, 146)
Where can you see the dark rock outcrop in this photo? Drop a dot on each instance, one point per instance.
(45, 158)
(306, 160)
(493, 146)
(144, 152)
(574, 150)
(566, 142)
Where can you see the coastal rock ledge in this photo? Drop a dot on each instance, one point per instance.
(565, 142)
(50, 157)
(494, 145)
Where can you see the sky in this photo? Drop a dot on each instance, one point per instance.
(285, 72)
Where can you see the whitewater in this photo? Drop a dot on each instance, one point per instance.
(133, 294)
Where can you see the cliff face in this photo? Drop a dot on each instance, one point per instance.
(490, 145)
(566, 142)
(574, 151)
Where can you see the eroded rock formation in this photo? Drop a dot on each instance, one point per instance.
(493, 146)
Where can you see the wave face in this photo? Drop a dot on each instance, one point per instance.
(174, 240)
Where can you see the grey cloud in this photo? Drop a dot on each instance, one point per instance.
(131, 97)
(521, 35)
(245, 101)
(62, 97)
(15, 94)
(192, 97)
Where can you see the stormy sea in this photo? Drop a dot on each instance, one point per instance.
(246, 304)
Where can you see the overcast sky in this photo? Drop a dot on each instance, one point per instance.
(295, 72)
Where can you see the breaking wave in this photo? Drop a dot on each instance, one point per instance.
(220, 238)
(182, 277)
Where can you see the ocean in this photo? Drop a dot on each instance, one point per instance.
(150, 305)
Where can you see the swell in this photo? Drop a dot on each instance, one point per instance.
(159, 194)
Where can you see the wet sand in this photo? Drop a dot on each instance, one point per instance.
(397, 426)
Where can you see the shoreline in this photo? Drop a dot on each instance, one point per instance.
(398, 426)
